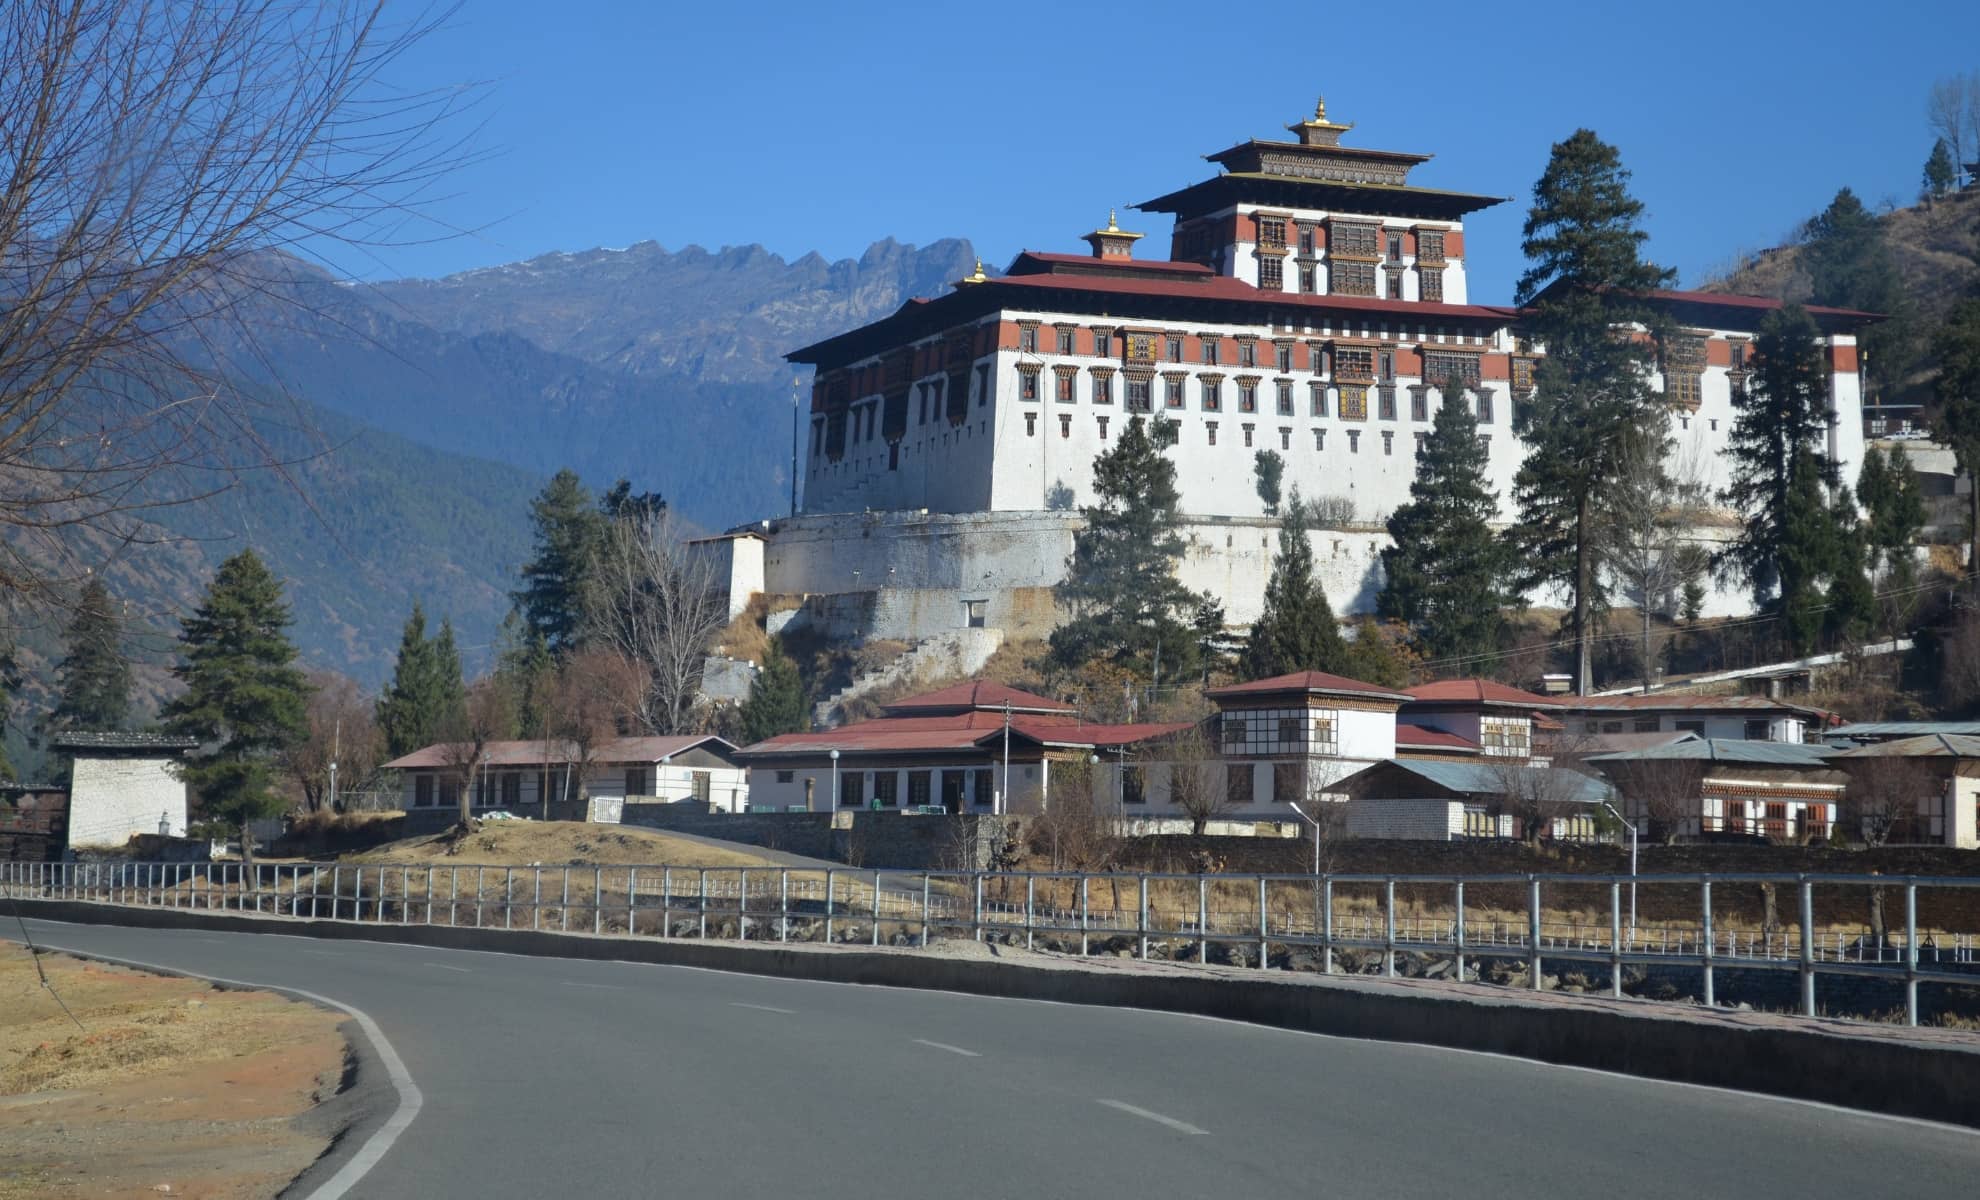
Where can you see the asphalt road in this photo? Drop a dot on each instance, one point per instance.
(545, 1077)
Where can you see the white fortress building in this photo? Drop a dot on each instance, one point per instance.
(1311, 301)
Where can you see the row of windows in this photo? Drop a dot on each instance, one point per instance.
(1249, 433)
(1281, 354)
(882, 789)
(1139, 390)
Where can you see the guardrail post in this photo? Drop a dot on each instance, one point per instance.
(1705, 955)
(632, 901)
(1202, 920)
(924, 908)
(1264, 926)
(478, 874)
(831, 880)
(1807, 948)
(1141, 922)
(598, 899)
(976, 915)
(357, 897)
(1457, 931)
(1910, 953)
(1327, 925)
(1030, 895)
(1082, 916)
(405, 895)
(703, 905)
(1615, 939)
(742, 903)
(784, 904)
(1533, 965)
(564, 905)
(536, 898)
(1389, 928)
(666, 902)
(876, 907)
(508, 897)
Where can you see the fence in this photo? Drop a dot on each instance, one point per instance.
(1238, 918)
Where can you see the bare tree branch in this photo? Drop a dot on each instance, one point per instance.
(658, 608)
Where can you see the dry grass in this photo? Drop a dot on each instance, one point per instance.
(557, 843)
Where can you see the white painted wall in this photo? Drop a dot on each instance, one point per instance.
(1418, 819)
(111, 798)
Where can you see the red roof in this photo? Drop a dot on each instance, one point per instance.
(1307, 681)
(1112, 264)
(1223, 287)
(1692, 702)
(955, 732)
(1477, 691)
(1423, 737)
(516, 754)
(980, 695)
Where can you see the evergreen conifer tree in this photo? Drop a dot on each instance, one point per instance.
(1127, 605)
(569, 530)
(1804, 552)
(93, 680)
(1852, 601)
(1447, 572)
(245, 699)
(1297, 630)
(1374, 657)
(1779, 425)
(427, 693)
(1850, 265)
(524, 667)
(1940, 173)
(1894, 508)
(1957, 389)
(776, 700)
(1592, 411)
(1270, 468)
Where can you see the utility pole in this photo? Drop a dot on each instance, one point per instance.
(336, 750)
(794, 445)
(1004, 798)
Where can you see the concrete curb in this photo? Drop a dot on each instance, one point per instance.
(1820, 1062)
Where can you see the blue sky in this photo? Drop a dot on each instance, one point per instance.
(828, 126)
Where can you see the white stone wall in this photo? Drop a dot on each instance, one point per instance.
(728, 787)
(111, 798)
(779, 789)
(1731, 726)
(1418, 819)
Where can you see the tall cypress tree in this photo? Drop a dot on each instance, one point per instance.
(245, 699)
(93, 680)
(1592, 411)
(775, 703)
(426, 694)
(1447, 573)
(1297, 630)
(1940, 173)
(569, 529)
(1779, 425)
(1120, 582)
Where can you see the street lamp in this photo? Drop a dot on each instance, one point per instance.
(1632, 865)
(1294, 805)
(835, 781)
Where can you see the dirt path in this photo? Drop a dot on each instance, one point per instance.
(172, 1088)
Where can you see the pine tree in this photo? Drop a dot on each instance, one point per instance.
(569, 529)
(427, 693)
(1270, 468)
(245, 699)
(1447, 572)
(775, 703)
(524, 667)
(1780, 420)
(1850, 265)
(1852, 601)
(1127, 605)
(1805, 552)
(1297, 630)
(93, 680)
(1373, 655)
(1895, 510)
(1592, 411)
(1940, 173)
(1957, 347)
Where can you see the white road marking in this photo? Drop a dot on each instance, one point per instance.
(410, 1098)
(1158, 1118)
(789, 1012)
(948, 1047)
(445, 967)
(326, 953)
(610, 987)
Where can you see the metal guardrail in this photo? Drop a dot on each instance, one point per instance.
(1182, 915)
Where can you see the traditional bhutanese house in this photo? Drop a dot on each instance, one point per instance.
(1498, 719)
(1945, 809)
(1862, 733)
(122, 784)
(1424, 742)
(1727, 787)
(974, 747)
(1446, 801)
(519, 776)
(1292, 736)
(1745, 718)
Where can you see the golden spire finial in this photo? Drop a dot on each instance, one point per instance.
(1320, 110)
(1112, 227)
(979, 276)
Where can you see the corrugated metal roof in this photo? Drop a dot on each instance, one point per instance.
(1478, 691)
(1308, 681)
(1931, 745)
(1491, 779)
(615, 750)
(120, 740)
(1726, 750)
(1881, 730)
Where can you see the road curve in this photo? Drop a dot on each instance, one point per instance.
(551, 1077)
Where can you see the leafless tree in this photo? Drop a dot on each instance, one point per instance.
(1196, 784)
(343, 729)
(1080, 826)
(1882, 796)
(1663, 792)
(583, 710)
(464, 747)
(658, 607)
(1952, 108)
(1649, 529)
(157, 160)
(1539, 796)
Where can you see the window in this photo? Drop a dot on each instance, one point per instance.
(1478, 823)
(1354, 362)
(1421, 440)
(1305, 241)
(1030, 427)
(918, 782)
(1141, 347)
(1272, 232)
(1210, 427)
(1353, 240)
(1385, 365)
(1307, 279)
(1395, 246)
(1172, 391)
(1430, 284)
(1028, 339)
(1522, 376)
(1326, 735)
(1027, 383)
(639, 781)
(1684, 370)
(1354, 403)
(983, 788)
(1316, 396)
(1065, 384)
(952, 789)
(1429, 245)
(1211, 347)
(1247, 352)
(1284, 356)
(1612, 727)
(886, 788)
(1392, 285)
(1174, 349)
(1137, 393)
(1272, 274)
(1697, 727)
(1319, 439)
(1103, 428)
(1235, 727)
(1756, 731)
(1285, 437)
(1213, 398)
(1439, 365)
(973, 614)
(1065, 425)
(1352, 278)
(786, 776)
(1248, 427)
(1285, 398)
(1065, 339)
(1289, 730)
(1237, 785)
(1354, 441)
(852, 789)
(1288, 783)
(1247, 395)
(1644, 725)
(1419, 404)
(450, 793)
(1388, 443)
(1484, 406)
(982, 386)
(1103, 342)
(1103, 386)
(512, 789)
(422, 790)
(1385, 403)
(1134, 786)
